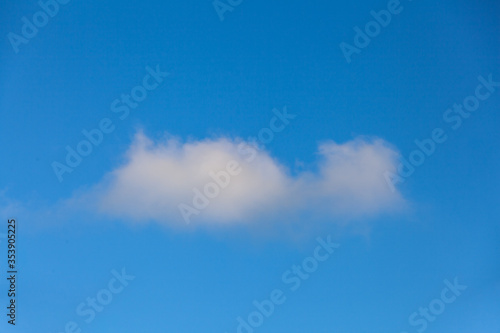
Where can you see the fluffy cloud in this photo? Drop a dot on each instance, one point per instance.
(229, 181)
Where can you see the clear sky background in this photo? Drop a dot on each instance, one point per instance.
(225, 78)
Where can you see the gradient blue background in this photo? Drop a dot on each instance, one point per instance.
(225, 79)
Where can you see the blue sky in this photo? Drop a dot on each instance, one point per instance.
(322, 175)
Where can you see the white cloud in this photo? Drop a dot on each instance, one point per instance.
(159, 178)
